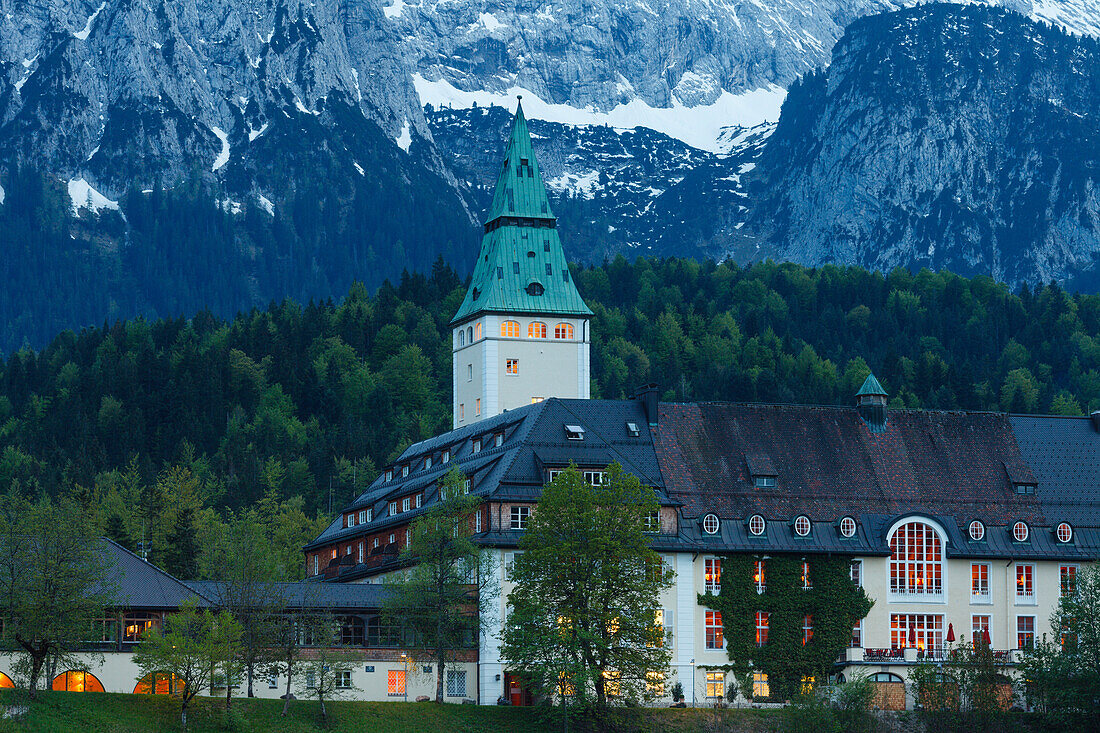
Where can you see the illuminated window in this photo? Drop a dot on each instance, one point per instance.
(802, 526)
(136, 623)
(655, 683)
(979, 627)
(979, 581)
(509, 329)
(1025, 632)
(760, 684)
(713, 620)
(536, 330)
(857, 635)
(461, 337)
(563, 331)
(762, 628)
(1020, 532)
(511, 366)
(807, 628)
(925, 629)
(159, 683)
(976, 530)
(806, 585)
(716, 684)
(477, 407)
(1068, 579)
(712, 575)
(847, 527)
(1025, 583)
(395, 682)
(477, 332)
(758, 576)
(710, 524)
(756, 525)
(1064, 532)
(916, 561)
(73, 681)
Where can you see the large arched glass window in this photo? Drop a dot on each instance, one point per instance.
(536, 330)
(77, 681)
(509, 329)
(916, 561)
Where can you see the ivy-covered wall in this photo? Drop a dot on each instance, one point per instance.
(833, 601)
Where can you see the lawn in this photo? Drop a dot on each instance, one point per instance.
(119, 713)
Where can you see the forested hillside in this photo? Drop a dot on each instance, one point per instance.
(160, 428)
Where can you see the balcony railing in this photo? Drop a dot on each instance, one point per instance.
(897, 656)
(883, 655)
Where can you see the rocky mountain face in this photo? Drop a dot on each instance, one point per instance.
(948, 137)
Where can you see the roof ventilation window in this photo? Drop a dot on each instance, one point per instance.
(632, 429)
(574, 432)
(847, 527)
(535, 288)
(976, 530)
(762, 470)
(757, 525)
(711, 524)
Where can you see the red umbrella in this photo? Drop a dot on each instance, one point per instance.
(950, 633)
(912, 636)
(985, 636)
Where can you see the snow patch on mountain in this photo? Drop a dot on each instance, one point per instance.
(699, 127)
(404, 140)
(575, 184)
(1, 194)
(223, 155)
(83, 35)
(84, 196)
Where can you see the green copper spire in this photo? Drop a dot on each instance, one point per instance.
(871, 386)
(521, 267)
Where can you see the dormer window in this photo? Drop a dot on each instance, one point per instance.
(405, 503)
(574, 432)
(535, 288)
(756, 525)
(445, 457)
(498, 439)
(802, 525)
(1024, 488)
(393, 508)
(711, 524)
(764, 482)
(476, 445)
(389, 474)
(632, 429)
(427, 463)
(405, 470)
(366, 516)
(349, 520)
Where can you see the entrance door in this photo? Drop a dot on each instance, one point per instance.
(515, 691)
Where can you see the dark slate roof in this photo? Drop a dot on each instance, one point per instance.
(534, 440)
(312, 594)
(947, 464)
(1064, 453)
(139, 584)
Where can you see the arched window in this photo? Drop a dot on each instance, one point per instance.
(6, 682)
(916, 560)
(159, 683)
(73, 681)
(509, 329)
(885, 677)
(537, 330)
(461, 337)
(470, 333)
(477, 333)
(563, 331)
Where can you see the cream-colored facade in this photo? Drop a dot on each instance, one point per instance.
(499, 366)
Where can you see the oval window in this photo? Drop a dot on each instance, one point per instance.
(710, 524)
(1064, 532)
(1019, 532)
(756, 525)
(847, 527)
(802, 525)
(976, 530)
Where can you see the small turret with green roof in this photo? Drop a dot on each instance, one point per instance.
(871, 403)
(521, 267)
(522, 332)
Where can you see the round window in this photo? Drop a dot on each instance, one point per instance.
(756, 525)
(1019, 532)
(847, 527)
(977, 530)
(710, 524)
(1064, 532)
(802, 525)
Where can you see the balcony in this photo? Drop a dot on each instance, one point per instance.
(916, 656)
(884, 656)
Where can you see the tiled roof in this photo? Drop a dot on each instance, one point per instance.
(1064, 453)
(948, 464)
(312, 594)
(139, 584)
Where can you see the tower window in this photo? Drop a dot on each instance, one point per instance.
(515, 268)
(549, 269)
(461, 337)
(500, 273)
(469, 372)
(477, 406)
(461, 412)
(509, 329)
(536, 330)
(511, 366)
(535, 289)
(546, 247)
(563, 331)
(477, 331)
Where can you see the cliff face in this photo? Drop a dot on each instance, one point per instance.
(949, 137)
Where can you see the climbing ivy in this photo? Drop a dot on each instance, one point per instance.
(834, 602)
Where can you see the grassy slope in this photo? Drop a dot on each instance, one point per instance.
(116, 713)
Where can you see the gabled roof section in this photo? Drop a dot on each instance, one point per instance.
(521, 267)
(135, 583)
